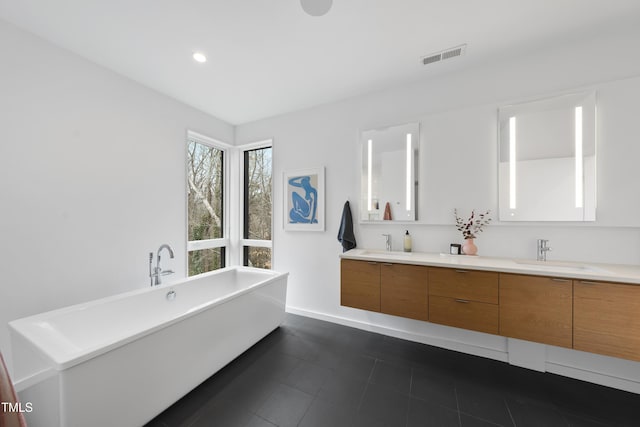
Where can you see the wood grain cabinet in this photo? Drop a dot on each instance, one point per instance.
(597, 317)
(464, 298)
(536, 309)
(360, 284)
(606, 319)
(403, 290)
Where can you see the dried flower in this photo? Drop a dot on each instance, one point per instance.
(473, 225)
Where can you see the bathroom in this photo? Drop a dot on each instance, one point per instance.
(92, 172)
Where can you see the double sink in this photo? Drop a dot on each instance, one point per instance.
(551, 266)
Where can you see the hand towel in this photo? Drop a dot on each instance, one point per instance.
(345, 233)
(387, 212)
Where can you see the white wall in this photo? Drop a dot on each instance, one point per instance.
(459, 134)
(91, 178)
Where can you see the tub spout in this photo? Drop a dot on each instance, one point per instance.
(167, 247)
(156, 273)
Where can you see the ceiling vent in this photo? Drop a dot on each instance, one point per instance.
(445, 54)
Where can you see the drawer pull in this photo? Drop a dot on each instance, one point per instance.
(387, 264)
(461, 271)
(555, 279)
(586, 282)
(463, 301)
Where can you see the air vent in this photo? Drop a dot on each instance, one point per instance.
(431, 59)
(445, 54)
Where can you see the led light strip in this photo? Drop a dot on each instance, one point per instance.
(512, 162)
(408, 195)
(579, 165)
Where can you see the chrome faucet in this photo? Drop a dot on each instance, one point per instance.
(543, 249)
(387, 241)
(155, 273)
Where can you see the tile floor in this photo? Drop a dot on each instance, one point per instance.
(313, 373)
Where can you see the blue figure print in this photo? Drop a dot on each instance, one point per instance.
(303, 210)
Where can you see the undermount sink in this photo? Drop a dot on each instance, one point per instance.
(563, 265)
(387, 254)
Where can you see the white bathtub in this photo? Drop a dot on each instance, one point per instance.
(122, 360)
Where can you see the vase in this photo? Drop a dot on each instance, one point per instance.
(469, 248)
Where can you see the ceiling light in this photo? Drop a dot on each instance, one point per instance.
(316, 7)
(199, 57)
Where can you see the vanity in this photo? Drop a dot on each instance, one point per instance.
(588, 307)
(545, 167)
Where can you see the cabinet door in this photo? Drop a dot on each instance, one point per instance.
(471, 285)
(536, 309)
(360, 284)
(403, 290)
(607, 319)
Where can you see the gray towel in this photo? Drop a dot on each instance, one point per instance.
(345, 233)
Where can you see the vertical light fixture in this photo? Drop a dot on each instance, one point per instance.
(579, 165)
(512, 162)
(369, 159)
(408, 183)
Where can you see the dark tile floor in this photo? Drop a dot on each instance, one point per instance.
(313, 373)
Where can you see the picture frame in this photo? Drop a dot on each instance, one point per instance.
(303, 199)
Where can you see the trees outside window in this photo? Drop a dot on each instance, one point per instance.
(205, 206)
(258, 207)
(219, 232)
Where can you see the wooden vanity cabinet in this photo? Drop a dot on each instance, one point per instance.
(596, 317)
(403, 290)
(360, 284)
(606, 319)
(537, 309)
(464, 299)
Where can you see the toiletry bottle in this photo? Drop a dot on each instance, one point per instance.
(407, 241)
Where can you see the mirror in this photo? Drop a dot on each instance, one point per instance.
(389, 159)
(547, 159)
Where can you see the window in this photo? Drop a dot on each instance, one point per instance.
(258, 205)
(207, 238)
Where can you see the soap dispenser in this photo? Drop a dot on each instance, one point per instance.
(407, 241)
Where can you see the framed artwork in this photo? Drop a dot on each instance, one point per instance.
(304, 200)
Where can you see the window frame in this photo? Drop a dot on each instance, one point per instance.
(244, 243)
(224, 241)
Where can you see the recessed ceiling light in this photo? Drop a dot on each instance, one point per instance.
(199, 57)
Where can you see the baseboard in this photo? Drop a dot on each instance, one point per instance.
(574, 372)
(593, 377)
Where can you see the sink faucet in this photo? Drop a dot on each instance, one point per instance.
(387, 241)
(543, 249)
(156, 272)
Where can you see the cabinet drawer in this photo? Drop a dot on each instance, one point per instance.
(477, 316)
(360, 284)
(472, 285)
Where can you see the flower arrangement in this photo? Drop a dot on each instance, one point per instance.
(473, 225)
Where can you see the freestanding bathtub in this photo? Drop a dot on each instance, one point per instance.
(121, 360)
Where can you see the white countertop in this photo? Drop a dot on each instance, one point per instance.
(571, 270)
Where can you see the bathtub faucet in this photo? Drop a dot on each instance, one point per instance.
(155, 273)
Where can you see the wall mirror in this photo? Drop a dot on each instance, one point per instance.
(389, 173)
(547, 159)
